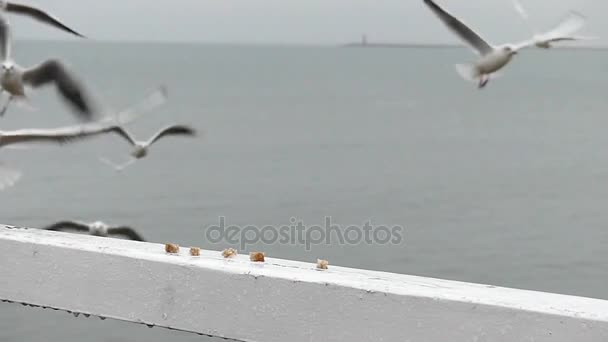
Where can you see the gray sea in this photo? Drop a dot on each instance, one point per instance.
(506, 186)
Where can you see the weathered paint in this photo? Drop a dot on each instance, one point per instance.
(279, 300)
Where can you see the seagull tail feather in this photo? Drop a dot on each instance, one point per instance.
(467, 71)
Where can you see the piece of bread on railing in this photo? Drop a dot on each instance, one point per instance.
(322, 264)
(172, 248)
(229, 253)
(256, 256)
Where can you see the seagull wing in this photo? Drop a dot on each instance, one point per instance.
(147, 103)
(70, 88)
(522, 45)
(121, 131)
(151, 101)
(173, 130)
(5, 38)
(68, 225)
(570, 24)
(39, 15)
(126, 231)
(575, 37)
(460, 29)
(60, 135)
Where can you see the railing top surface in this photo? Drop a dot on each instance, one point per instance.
(371, 281)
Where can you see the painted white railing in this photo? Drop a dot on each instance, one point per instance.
(278, 300)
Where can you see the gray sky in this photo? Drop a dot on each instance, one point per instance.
(302, 21)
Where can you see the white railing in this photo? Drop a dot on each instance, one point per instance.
(278, 300)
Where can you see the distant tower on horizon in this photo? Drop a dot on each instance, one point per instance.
(364, 40)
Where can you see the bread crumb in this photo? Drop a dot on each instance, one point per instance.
(322, 264)
(256, 256)
(229, 253)
(195, 251)
(171, 248)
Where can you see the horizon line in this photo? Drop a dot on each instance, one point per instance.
(277, 44)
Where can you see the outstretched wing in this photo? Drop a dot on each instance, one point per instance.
(126, 231)
(121, 131)
(39, 15)
(460, 29)
(70, 88)
(151, 101)
(569, 25)
(68, 225)
(174, 130)
(573, 38)
(5, 38)
(61, 135)
(522, 45)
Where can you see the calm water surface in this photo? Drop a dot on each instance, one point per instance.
(507, 186)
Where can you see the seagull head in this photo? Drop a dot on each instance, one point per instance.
(8, 66)
(139, 152)
(99, 228)
(509, 50)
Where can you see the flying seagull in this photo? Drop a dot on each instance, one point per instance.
(62, 135)
(37, 14)
(492, 58)
(97, 228)
(14, 78)
(563, 31)
(141, 147)
(71, 134)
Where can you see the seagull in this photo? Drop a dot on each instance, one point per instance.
(97, 228)
(14, 78)
(563, 31)
(141, 147)
(62, 135)
(71, 134)
(37, 14)
(492, 58)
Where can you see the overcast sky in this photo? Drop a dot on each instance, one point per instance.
(302, 21)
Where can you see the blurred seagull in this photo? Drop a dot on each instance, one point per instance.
(62, 135)
(141, 147)
(563, 31)
(70, 134)
(14, 78)
(37, 14)
(97, 228)
(492, 58)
